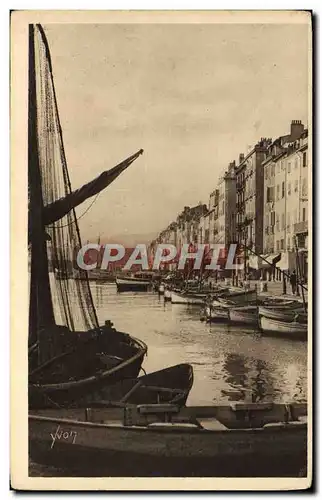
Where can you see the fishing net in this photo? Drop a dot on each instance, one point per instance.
(70, 290)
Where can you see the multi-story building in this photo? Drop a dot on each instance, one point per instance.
(226, 220)
(286, 198)
(213, 215)
(249, 195)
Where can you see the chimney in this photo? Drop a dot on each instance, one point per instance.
(297, 129)
(241, 157)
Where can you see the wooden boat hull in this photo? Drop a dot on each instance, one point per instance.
(292, 329)
(199, 446)
(283, 314)
(93, 365)
(132, 284)
(170, 385)
(244, 315)
(186, 298)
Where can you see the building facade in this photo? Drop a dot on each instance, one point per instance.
(286, 177)
(249, 197)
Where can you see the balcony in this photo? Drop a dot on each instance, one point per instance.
(301, 227)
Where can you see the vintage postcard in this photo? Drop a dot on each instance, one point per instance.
(161, 184)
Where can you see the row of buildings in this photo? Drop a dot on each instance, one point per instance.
(261, 202)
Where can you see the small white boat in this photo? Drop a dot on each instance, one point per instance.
(130, 283)
(294, 328)
(287, 314)
(161, 289)
(187, 298)
(167, 294)
(246, 315)
(216, 314)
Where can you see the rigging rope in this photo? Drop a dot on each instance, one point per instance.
(77, 218)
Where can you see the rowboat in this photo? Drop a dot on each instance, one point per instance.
(255, 439)
(292, 329)
(246, 315)
(88, 365)
(285, 314)
(167, 294)
(132, 284)
(214, 314)
(235, 297)
(170, 385)
(187, 298)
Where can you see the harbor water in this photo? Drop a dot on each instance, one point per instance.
(231, 363)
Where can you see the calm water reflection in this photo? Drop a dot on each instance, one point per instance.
(230, 363)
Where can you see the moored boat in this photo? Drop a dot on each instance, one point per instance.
(214, 314)
(169, 385)
(293, 329)
(255, 439)
(130, 283)
(244, 315)
(185, 297)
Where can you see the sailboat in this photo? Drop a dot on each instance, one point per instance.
(69, 352)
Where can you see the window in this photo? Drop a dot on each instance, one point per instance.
(283, 222)
(296, 186)
(289, 167)
(288, 220)
(304, 159)
(277, 222)
(282, 165)
(283, 189)
(304, 214)
(277, 245)
(289, 188)
(295, 163)
(272, 218)
(295, 216)
(278, 168)
(273, 170)
(288, 243)
(304, 187)
(282, 244)
(278, 192)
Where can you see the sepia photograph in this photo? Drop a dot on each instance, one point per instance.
(165, 326)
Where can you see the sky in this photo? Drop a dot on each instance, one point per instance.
(193, 96)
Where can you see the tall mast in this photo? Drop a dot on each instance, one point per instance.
(41, 312)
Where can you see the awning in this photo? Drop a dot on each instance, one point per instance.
(287, 262)
(258, 262)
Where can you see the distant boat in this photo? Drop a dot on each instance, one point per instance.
(240, 439)
(187, 298)
(132, 283)
(292, 329)
(244, 315)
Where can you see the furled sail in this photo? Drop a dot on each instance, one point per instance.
(58, 209)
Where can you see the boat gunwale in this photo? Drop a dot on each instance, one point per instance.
(284, 427)
(101, 376)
